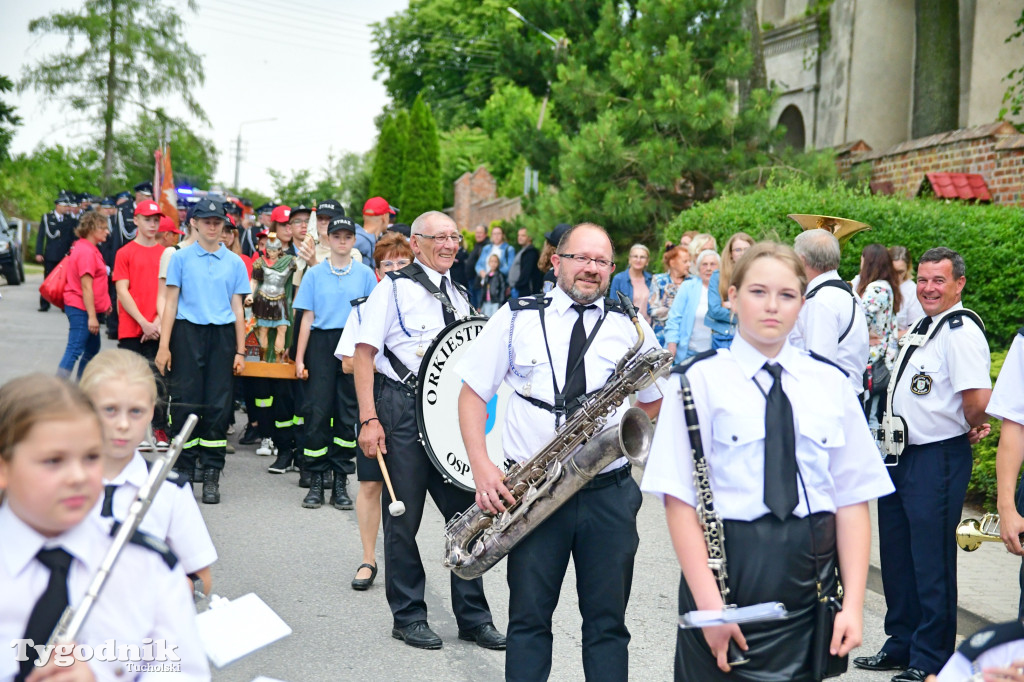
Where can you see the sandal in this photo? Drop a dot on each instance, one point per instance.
(364, 583)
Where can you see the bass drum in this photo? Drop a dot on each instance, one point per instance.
(437, 405)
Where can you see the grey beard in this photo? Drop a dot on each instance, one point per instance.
(585, 299)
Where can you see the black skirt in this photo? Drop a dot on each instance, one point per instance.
(767, 560)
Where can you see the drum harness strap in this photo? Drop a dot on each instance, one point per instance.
(838, 284)
(414, 272)
(908, 344)
(560, 409)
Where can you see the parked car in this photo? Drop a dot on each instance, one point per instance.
(12, 266)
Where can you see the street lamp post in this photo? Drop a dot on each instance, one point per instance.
(238, 145)
(530, 175)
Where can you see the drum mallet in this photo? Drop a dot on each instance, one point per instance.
(397, 507)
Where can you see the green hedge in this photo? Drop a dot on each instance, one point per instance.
(988, 237)
(982, 488)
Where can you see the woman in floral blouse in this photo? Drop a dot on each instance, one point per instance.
(879, 290)
(664, 287)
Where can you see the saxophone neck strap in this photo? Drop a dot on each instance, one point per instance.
(560, 408)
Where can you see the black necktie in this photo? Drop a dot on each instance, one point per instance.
(108, 501)
(449, 316)
(576, 376)
(47, 611)
(923, 325)
(779, 448)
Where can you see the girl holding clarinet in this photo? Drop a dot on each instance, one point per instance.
(790, 468)
(51, 475)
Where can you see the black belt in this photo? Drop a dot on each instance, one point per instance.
(610, 478)
(405, 387)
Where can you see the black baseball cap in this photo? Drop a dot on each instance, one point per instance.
(555, 235)
(329, 208)
(400, 228)
(144, 188)
(341, 223)
(208, 208)
(301, 208)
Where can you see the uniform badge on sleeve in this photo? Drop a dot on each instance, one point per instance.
(921, 384)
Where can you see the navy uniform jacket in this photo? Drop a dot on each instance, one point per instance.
(56, 233)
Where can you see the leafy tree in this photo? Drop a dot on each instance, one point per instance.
(421, 188)
(294, 189)
(659, 128)
(1013, 99)
(8, 120)
(30, 182)
(463, 150)
(345, 178)
(389, 160)
(936, 67)
(194, 157)
(119, 53)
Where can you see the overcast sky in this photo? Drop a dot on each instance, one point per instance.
(306, 63)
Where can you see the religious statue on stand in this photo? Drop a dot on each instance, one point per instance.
(271, 299)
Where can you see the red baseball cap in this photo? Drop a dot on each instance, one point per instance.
(263, 233)
(148, 207)
(378, 206)
(168, 225)
(280, 214)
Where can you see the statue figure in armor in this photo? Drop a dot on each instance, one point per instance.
(271, 299)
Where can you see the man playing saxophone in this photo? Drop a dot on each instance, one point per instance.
(554, 351)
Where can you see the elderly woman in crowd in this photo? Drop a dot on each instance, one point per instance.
(664, 286)
(86, 296)
(719, 318)
(685, 331)
(879, 290)
(635, 282)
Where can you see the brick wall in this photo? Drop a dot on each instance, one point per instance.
(477, 201)
(995, 151)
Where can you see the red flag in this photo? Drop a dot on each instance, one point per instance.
(168, 194)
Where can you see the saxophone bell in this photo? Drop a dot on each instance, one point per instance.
(970, 533)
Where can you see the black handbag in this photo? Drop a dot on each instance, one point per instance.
(876, 378)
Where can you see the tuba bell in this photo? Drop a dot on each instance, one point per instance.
(841, 228)
(970, 533)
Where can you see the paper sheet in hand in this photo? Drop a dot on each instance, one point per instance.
(745, 614)
(232, 629)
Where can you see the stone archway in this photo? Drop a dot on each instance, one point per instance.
(793, 120)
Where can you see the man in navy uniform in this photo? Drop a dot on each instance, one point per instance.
(56, 233)
(938, 398)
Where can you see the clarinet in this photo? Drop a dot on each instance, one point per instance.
(710, 519)
(72, 619)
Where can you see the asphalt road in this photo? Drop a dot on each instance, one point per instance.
(301, 561)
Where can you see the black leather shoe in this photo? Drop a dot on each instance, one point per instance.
(315, 497)
(880, 661)
(250, 437)
(281, 464)
(417, 635)
(364, 583)
(486, 636)
(910, 675)
(339, 493)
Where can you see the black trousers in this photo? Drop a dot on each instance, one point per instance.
(148, 349)
(597, 528)
(917, 548)
(768, 560)
(202, 356)
(112, 318)
(413, 476)
(48, 266)
(273, 407)
(330, 410)
(1020, 510)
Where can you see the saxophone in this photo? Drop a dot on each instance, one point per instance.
(476, 540)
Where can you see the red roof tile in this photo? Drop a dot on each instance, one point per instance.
(966, 186)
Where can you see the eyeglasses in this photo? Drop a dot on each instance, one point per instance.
(298, 221)
(441, 238)
(584, 260)
(400, 263)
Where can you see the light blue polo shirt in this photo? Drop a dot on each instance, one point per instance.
(365, 244)
(207, 281)
(329, 296)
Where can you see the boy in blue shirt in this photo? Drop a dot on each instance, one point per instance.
(203, 333)
(330, 410)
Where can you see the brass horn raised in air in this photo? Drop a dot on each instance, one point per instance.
(841, 228)
(972, 532)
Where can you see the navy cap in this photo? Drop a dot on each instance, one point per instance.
(329, 208)
(340, 223)
(108, 201)
(122, 195)
(266, 208)
(65, 199)
(208, 208)
(232, 208)
(301, 208)
(400, 228)
(555, 235)
(144, 188)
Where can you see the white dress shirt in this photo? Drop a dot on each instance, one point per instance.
(347, 343)
(956, 359)
(959, 669)
(1007, 401)
(405, 317)
(823, 319)
(173, 516)
(511, 349)
(142, 598)
(835, 452)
